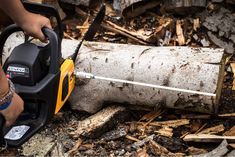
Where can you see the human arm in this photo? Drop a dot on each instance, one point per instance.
(29, 22)
(17, 104)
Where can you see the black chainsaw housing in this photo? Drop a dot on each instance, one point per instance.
(35, 72)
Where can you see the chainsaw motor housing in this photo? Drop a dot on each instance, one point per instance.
(36, 73)
(24, 67)
(36, 83)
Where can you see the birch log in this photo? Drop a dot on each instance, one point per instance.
(199, 69)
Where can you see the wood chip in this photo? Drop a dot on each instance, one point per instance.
(196, 24)
(166, 131)
(230, 132)
(227, 115)
(213, 130)
(180, 34)
(132, 138)
(171, 123)
(149, 116)
(232, 145)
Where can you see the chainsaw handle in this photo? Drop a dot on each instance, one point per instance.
(53, 45)
(55, 49)
(46, 10)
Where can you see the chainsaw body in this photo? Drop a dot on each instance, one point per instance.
(40, 78)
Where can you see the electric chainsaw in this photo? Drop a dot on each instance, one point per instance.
(41, 77)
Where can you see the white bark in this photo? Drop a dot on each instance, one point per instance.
(181, 67)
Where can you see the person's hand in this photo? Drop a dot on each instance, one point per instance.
(32, 24)
(14, 110)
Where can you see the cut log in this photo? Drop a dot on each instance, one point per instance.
(132, 8)
(198, 69)
(180, 67)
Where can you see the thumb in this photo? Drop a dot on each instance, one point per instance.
(41, 36)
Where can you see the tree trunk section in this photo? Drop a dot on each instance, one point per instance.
(199, 69)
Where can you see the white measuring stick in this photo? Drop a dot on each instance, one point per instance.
(92, 76)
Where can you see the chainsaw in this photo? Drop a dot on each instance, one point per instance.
(41, 77)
